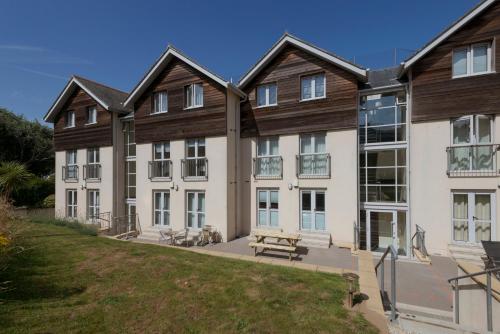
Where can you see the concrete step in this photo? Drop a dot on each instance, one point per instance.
(470, 253)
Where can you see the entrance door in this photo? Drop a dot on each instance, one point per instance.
(312, 210)
(382, 228)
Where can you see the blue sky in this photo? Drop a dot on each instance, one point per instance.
(42, 43)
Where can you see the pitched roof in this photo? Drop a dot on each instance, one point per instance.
(162, 62)
(383, 78)
(303, 45)
(447, 33)
(109, 98)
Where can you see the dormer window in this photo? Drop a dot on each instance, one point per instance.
(160, 102)
(266, 95)
(472, 60)
(70, 119)
(312, 87)
(91, 115)
(193, 96)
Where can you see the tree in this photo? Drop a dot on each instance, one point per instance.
(13, 176)
(28, 142)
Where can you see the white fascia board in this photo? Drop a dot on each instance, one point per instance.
(448, 33)
(288, 39)
(105, 106)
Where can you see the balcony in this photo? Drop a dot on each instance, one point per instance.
(92, 172)
(160, 170)
(312, 166)
(70, 173)
(194, 169)
(472, 160)
(268, 167)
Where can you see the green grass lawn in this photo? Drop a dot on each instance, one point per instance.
(69, 281)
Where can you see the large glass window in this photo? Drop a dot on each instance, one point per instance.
(266, 95)
(382, 118)
(160, 102)
(130, 184)
(313, 159)
(195, 209)
(93, 204)
(92, 115)
(193, 96)
(71, 169)
(383, 176)
(161, 208)
(162, 151)
(268, 208)
(472, 59)
(268, 162)
(312, 87)
(129, 138)
(92, 169)
(195, 164)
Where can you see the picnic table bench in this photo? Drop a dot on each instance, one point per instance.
(262, 235)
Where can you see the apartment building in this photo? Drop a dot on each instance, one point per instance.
(307, 142)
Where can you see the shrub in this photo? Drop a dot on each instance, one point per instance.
(49, 201)
(34, 192)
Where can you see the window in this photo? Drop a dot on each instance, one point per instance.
(267, 95)
(268, 162)
(193, 96)
(195, 164)
(160, 102)
(91, 115)
(195, 209)
(70, 119)
(471, 144)
(71, 168)
(472, 216)
(383, 176)
(313, 159)
(130, 178)
(93, 206)
(382, 118)
(71, 203)
(471, 60)
(161, 151)
(312, 210)
(129, 134)
(92, 169)
(312, 87)
(161, 208)
(268, 208)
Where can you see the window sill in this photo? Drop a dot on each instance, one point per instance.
(195, 178)
(93, 123)
(161, 179)
(313, 99)
(472, 75)
(69, 127)
(268, 177)
(71, 180)
(266, 106)
(96, 180)
(313, 176)
(158, 113)
(193, 107)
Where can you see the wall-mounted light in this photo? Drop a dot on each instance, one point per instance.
(290, 186)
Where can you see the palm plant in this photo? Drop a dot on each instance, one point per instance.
(13, 176)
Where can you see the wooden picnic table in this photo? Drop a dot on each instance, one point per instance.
(261, 235)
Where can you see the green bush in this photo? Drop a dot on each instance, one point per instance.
(49, 201)
(34, 193)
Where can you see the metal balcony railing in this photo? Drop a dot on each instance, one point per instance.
(194, 169)
(472, 160)
(70, 173)
(315, 165)
(92, 172)
(268, 167)
(160, 169)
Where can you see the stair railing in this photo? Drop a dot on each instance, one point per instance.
(489, 308)
(394, 256)
(418, 242)
(356, 236)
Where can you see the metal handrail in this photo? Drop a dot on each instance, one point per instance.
(489, 307)
(118, 224)
(471, 165)
(394, 257)
(70, 172)
(419, 236)
(198, 165)
(102, 218)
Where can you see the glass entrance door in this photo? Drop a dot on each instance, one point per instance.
(382, 228)
(312, 210)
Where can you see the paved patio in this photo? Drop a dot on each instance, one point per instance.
(418, 284)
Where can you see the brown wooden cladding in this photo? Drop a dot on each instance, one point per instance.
(82, 135)
(179, 123)
(336, 111)
(437, 96)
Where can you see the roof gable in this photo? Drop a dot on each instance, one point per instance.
(109, 98)
(288, 39)
(161, 64)
(473, 13)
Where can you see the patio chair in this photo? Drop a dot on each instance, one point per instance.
(166, 236)
(204, 236)
(180, 237)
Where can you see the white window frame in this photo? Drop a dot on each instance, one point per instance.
(313, 143)
(91, 115)
(162, 145)
(70, 121)
(267, 140)
(470, 60)
(313, 86)
(96, 208)
(197, 145)
(194, 88)
(195, 210)
(128, 129)
(313, 211)
(268, 210)
(71, 207)
(70, 153)
(162, 209)
(158, 107)
(266, 88)
(473, 129)
(471, 202)
(93, 156)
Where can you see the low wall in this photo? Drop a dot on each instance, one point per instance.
(35, 212)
